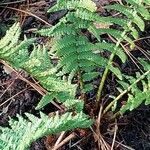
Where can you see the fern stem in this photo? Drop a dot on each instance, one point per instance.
(125, 91)
(102, 82)
(81, 85)
(80, 80)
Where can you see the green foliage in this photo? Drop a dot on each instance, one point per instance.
(78, 57)
(38, 65)
(77, 54)
(10, 50)
(138, 89)
(24, 131)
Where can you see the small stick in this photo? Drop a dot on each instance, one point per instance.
(68, 138)
(29, 13)
(12, 97)
(115, 133)
(9, 3)
(101, 142)
(125, 146)
(7, 89)
(60, 138)
(119, 144)
(99, 116)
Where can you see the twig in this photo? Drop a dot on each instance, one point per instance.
(60, 138)
(68, 138)
(128, 53)
(75, 144)
(9, 3)
(139, 39)
(120, 144)
(7, 88)
(145, 53)
(29, 13)
(125, 146)
(99, 116)
(114, 138)
(101, 142)
(12, 97)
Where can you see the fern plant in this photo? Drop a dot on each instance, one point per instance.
(80, 56)
(24, 131)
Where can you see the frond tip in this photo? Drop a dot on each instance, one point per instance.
(24, 131)
(11, 49)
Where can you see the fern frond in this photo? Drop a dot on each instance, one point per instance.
(131, 14)
(14, 32)
(98, 47)
(24, 131)
(140, 8)
(74, 50)
(38, 65)
(138, 89)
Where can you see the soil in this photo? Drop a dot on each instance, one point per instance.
(133, 127)
(136, 133)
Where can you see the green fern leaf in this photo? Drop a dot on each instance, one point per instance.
(23, 132)
(99, 47)
(136, 95)
(72, 4)
(87, 87)
(129, 13)
(140, 8)
(90, 76)
(116, 71)
(46, 99)
(37, 64)
(13, 32)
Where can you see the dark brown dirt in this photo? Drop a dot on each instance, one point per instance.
(136, 133)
